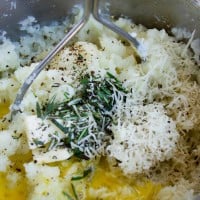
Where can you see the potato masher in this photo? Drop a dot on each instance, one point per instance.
(90, 7)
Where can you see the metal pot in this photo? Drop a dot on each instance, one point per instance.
(151, 13)
(158, 13)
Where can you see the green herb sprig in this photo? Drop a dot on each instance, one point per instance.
(86, 116)
(77, 178)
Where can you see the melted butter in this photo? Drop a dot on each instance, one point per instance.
(18, 161)
(114, 181)
(103, 177)
(64, 166)
(18, 191)
(4, 109)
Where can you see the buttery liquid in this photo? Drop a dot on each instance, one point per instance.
(4, 109)
(114, 180)
(9, 191)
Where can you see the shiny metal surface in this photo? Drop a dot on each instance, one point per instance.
(29, 80)
(151, 13)
(105, 20)
(45, 11)
(156, 13)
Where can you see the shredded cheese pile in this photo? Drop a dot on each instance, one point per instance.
(143, 135)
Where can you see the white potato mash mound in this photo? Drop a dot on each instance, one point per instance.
(155, 132)
(49, 176)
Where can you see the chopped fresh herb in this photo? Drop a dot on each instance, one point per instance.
(38, 142)
(38, 110)
(52, 144)
(55, 140)
(60, 126)
(66, 95)
(68, 196)
(74, 191)
(79, 154)
(85, 173)
(47, 110)
(74, 102)
(85, 118)
(83, 134)
(16, 137)
(77, 178)
(80, 57)
(116, 82)
(51, 107)
(85, 80)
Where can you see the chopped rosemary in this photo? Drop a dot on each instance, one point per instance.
(49, 109)
(55, 140)
(68, 196)
(85, 173)
(80, 57)
(85, 118)
(38, 110)
(74, 191)
(15, 137)
(38, 142)
(77, 178)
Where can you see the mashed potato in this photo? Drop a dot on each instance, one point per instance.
(151, 147)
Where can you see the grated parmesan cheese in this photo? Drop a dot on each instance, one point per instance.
(143, 135)
(177, 192)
